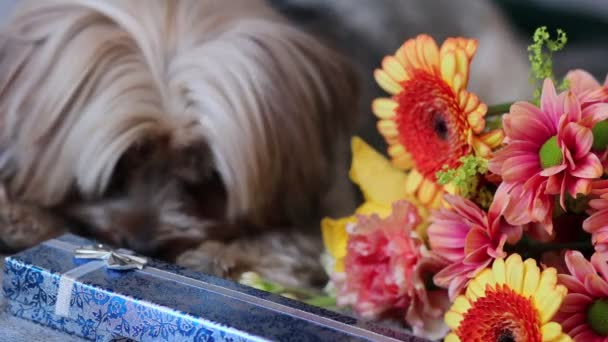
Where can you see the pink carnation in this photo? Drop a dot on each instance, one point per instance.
(385, 270)
(469, 239)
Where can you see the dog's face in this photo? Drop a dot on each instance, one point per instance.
(173, 120)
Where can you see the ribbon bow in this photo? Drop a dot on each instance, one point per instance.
(115, 259)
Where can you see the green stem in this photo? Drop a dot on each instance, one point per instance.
(499, 109)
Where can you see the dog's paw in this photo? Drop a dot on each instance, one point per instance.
(288, 258)
(23, 225)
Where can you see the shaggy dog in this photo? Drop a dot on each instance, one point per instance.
(211, 131)
(159, 125)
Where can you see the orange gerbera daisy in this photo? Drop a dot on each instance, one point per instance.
(431, 120)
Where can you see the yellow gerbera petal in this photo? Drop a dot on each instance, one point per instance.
(493, 138)
(499, 269)
(461, 305)
(486, 278)
(386, 82)
(515, 269)
(384, 108)
(551, 303)
(428, 52)
(388, 128)
(379, 181)
(474, 290)
(476, 121)
(394, 69)
(427, 191)
(452, 338)
(551, 331)
(497, 296)
(548, 280)
(400, 157)
(453, 319)
(448, 68)
(531, 277)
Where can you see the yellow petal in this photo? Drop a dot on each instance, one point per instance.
(531, 278)
(547, 282)
(428, 52)
(551, 303)
(369, 208)
(400, 157)
(551, 331)
(394, 69)
(493, 138)
(448, 68)
(384, 108)
(414, 179)
(438, 200)
(468, 101)
(452, 338)
(451, 188)
(335, 239)
(515, 267)
(453, 319)
(379, 181)
(461, 305)
(563, 338)
(386, 82)
(485, 278)
(469, 46)
(480, 148)
(499, 270)
(476, 121)
(458, 83)
(427, 191)
(388, 128)
(474, 291)
(462, 69)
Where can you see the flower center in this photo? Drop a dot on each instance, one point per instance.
(432, 127)
(600, 136)
(550, 154)
(440, 126)
(597, 316)
(506, 336)
(502, 315)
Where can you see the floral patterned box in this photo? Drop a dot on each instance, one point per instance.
(162, 302)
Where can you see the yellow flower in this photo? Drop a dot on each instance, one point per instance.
(381, 184)
(511, 301)
(431, 120)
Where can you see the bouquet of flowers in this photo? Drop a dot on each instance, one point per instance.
(487, 223)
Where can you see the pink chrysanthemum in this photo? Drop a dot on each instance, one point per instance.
(589, 91)
(597, 223)
(469, 239)
(584, 312)
(548, 153)
(586, 87)
(385, 271)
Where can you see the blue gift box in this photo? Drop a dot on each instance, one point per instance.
(162, 302)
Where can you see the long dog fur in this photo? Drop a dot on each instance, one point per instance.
(148, 121)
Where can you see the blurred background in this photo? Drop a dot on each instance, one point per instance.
(367, 30)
